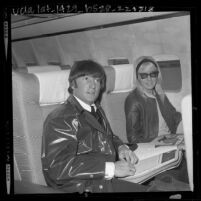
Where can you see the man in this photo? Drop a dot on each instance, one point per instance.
(79, 151)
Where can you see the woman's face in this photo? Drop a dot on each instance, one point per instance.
(148, 76)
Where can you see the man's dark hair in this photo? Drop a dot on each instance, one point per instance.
(87, 67)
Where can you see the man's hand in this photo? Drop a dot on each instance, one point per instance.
(123, 169)
(126, 154)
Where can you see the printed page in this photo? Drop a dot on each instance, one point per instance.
(147, 150)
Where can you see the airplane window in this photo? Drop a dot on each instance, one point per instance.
(118, 61)
(171, 74)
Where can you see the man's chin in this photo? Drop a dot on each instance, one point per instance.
(91, 100)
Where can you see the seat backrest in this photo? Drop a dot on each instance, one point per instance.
(43, 68)
(34, 97)
(186, 106)
(120, 81)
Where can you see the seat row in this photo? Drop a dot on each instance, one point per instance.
(39, 90)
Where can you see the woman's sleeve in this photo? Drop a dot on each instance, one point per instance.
(175, 115)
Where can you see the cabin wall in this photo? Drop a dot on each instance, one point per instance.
(166, 36)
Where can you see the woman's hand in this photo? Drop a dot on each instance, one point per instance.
(159, 89)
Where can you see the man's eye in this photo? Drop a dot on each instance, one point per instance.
(86, 78)
(97, 79)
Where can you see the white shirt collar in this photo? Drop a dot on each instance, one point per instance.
(85, 105)
(149, 95)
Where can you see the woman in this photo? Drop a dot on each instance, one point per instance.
(148, 111)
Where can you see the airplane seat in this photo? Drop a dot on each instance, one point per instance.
(34, 97)
(42, 68)
(186, 106)
(120, 81)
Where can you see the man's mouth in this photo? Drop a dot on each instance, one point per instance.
(91, 92)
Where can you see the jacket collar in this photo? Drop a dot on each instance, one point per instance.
(144, 94)
(85, 114)
(72, 100)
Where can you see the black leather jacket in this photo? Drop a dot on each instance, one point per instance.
(75, 148)
(142, 121)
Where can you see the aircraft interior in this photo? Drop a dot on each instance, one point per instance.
(44, 48)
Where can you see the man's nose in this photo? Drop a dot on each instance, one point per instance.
(92, 83)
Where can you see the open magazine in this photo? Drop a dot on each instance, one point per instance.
(157, 156)
(167, 140)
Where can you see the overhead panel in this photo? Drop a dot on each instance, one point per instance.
(49, 24)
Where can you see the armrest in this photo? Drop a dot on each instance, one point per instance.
(22, 187)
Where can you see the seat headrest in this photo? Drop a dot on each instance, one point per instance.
(35, 69)
(120, 78)
(43, 68)
(53, 87)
